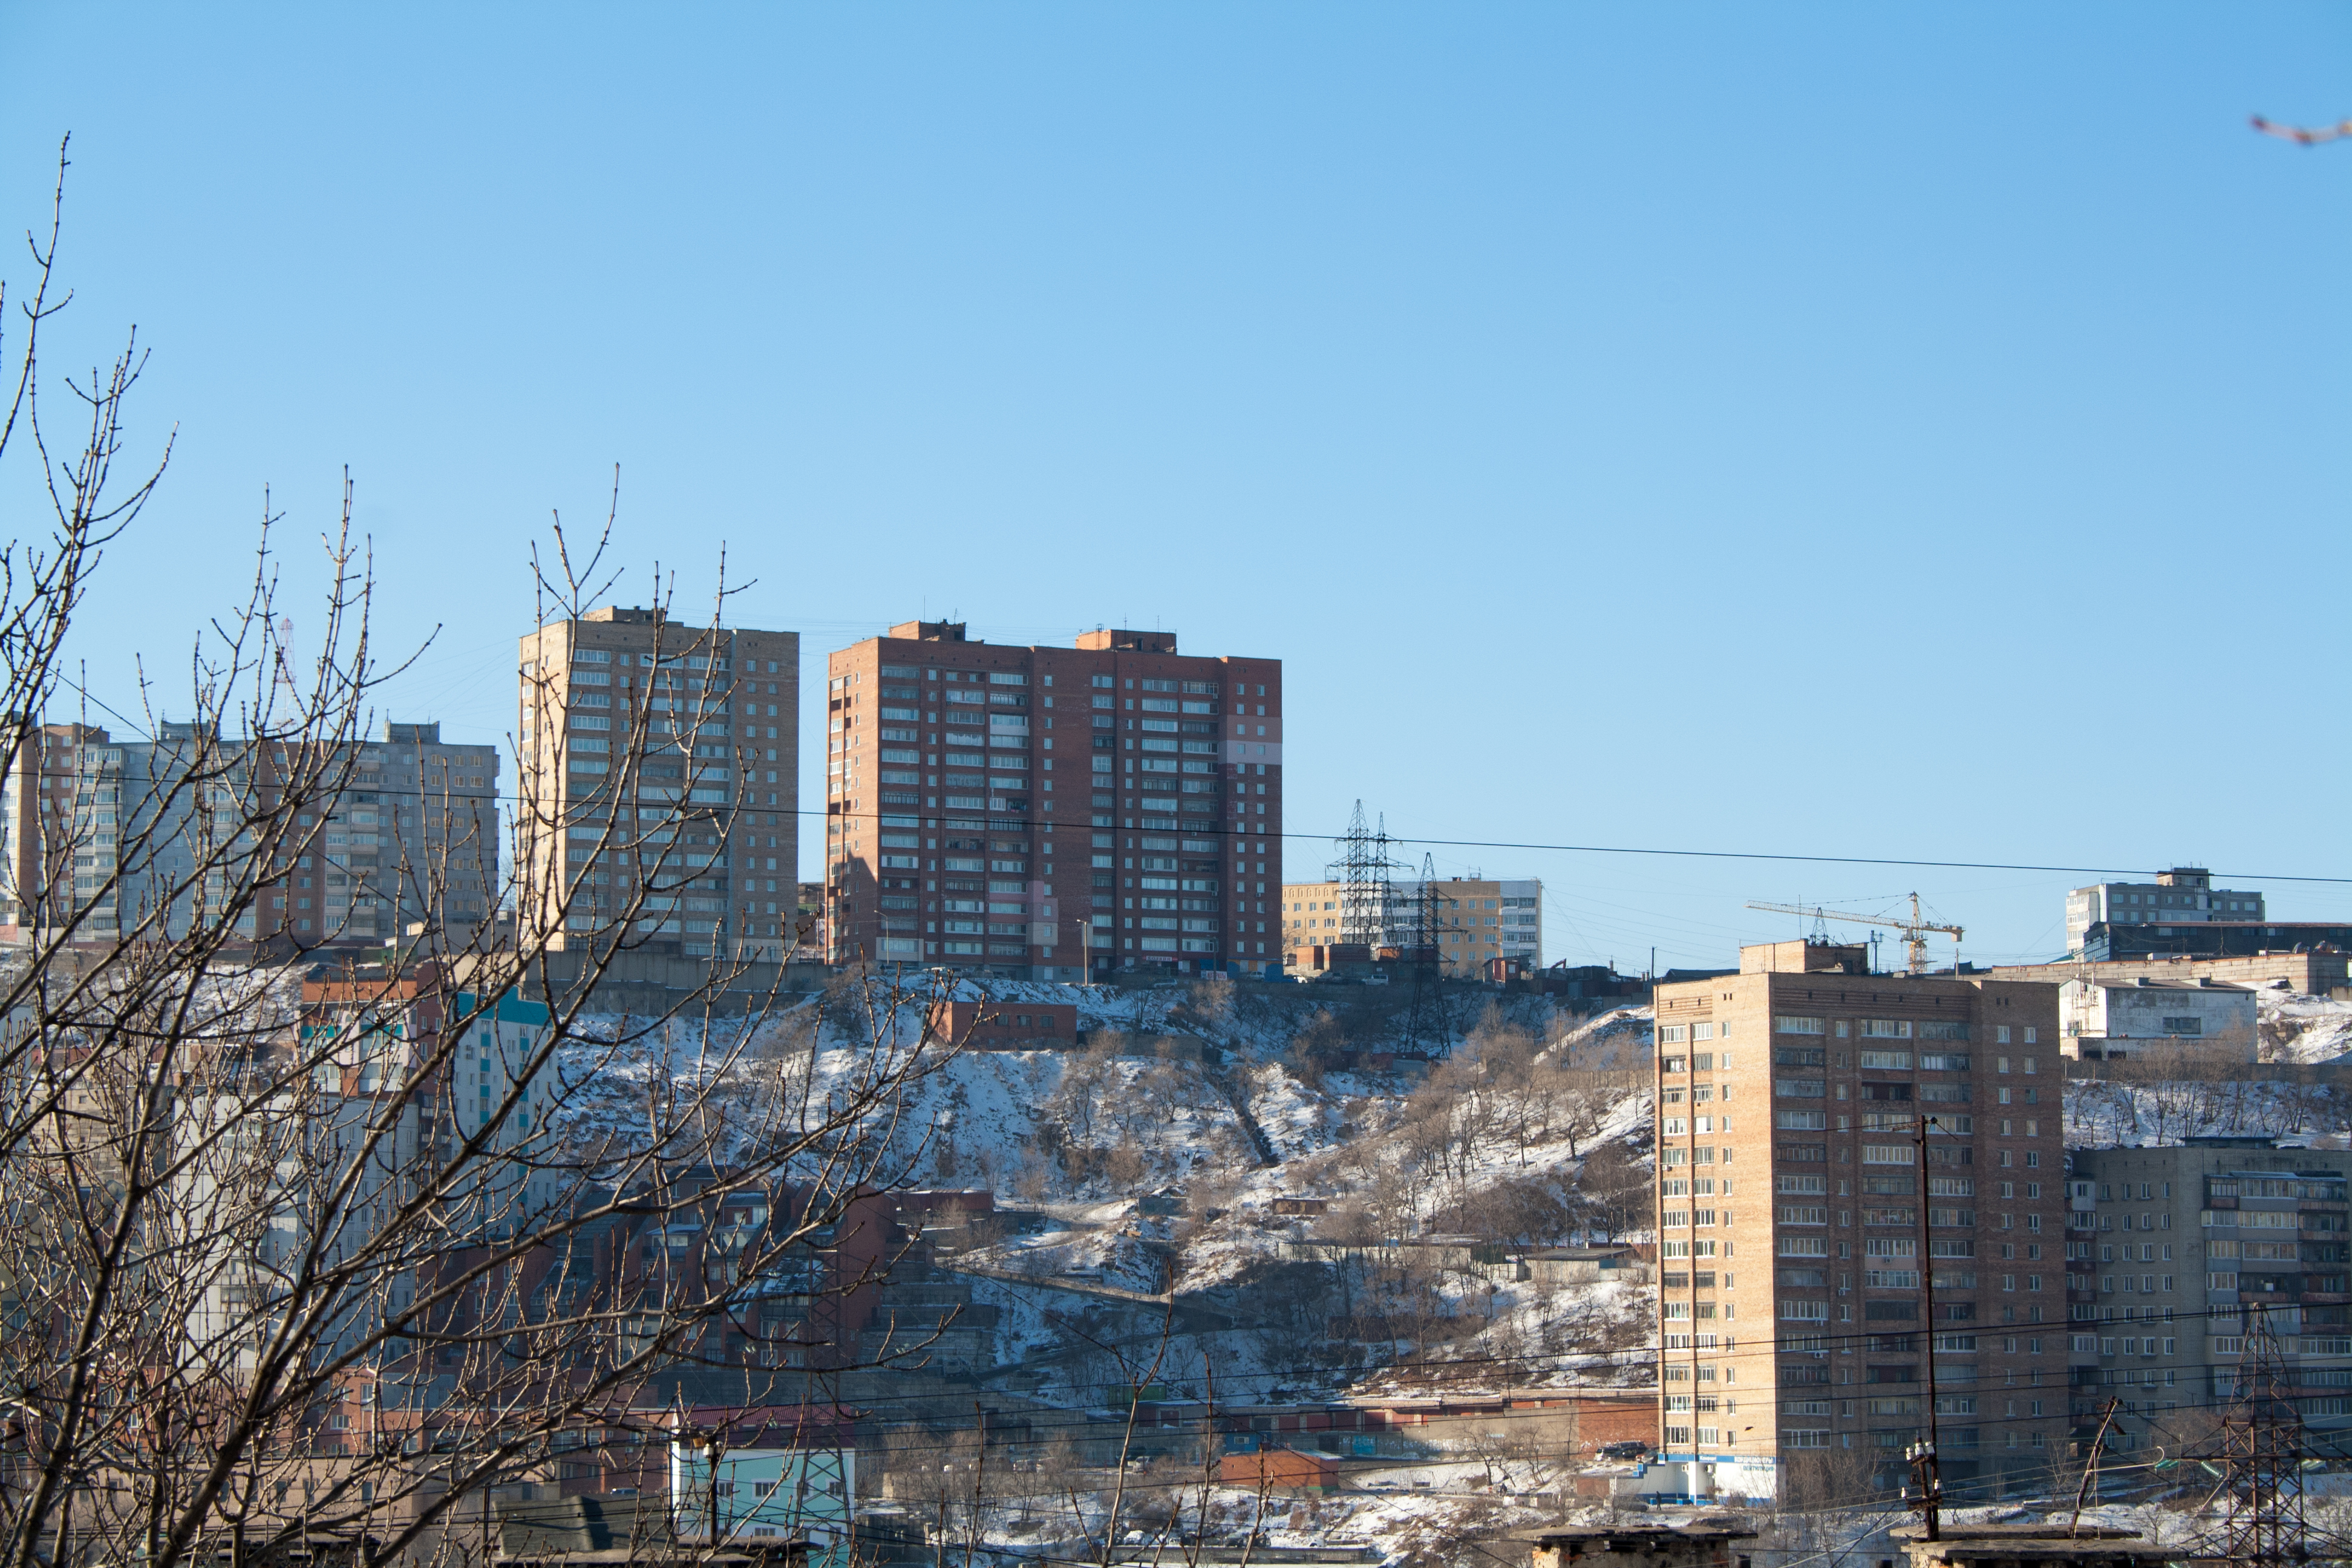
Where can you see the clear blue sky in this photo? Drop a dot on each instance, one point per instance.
(1875, 430)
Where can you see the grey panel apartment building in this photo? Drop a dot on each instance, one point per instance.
(2169, 1254)
(411, 840)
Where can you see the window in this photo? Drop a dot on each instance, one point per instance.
(1886, 1028)
(2184, 1026)
(1788, 1025)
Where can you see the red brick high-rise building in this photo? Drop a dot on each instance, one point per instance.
(1048, 811)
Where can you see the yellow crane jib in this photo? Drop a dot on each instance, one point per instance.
(1914, 929)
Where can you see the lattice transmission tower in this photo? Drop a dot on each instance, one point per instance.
(1357, 871)
(2262, 1451)
(1427, 1025)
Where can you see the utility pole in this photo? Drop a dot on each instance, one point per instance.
(1926, 1471)
(2089, 1485)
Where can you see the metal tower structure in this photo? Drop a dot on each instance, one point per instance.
(1384, 913)
(1355, 869)
(1425, 1024)
(2262, 1449)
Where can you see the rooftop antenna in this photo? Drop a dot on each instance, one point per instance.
(285, 676)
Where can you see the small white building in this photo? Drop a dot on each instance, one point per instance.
(2113, 1020)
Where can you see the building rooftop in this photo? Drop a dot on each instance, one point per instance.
(1129, 641)
(2094, 1546)
(928, 631)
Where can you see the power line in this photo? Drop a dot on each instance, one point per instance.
(1540, 847)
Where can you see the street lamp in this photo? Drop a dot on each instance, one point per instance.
(712, 1447)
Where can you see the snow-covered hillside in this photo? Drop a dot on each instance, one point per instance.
(1276, 1133)
(2294, 1027)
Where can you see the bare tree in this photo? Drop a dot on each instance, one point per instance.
(1615, 1184)
(303, 1255)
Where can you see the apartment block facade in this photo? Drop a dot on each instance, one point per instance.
(1478, 921)
(1051, 812)
(2182, 915)
(2171, 1252)
(2184, 895)
(415, 841)
(411, 838)
(61, 810)
(1790, 1101)
(716, 778)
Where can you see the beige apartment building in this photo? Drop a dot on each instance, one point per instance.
(715, 787)
(1790, 1098)
(1052, 811)
(1478, 921)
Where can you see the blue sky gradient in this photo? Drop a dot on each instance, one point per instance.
(1829, 429)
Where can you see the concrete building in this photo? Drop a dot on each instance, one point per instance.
(2183, 896)
(1039, 812)
(410, 839)
(1788, 1107)
(366, 1038)
(2182, 914)
(2314, 971)
(61, 812)
(2109, 1020)
(2171, 1250)
(1479, 919)
(414, 842)
(713, 710)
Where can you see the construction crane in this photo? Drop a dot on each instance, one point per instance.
(1914, 929)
